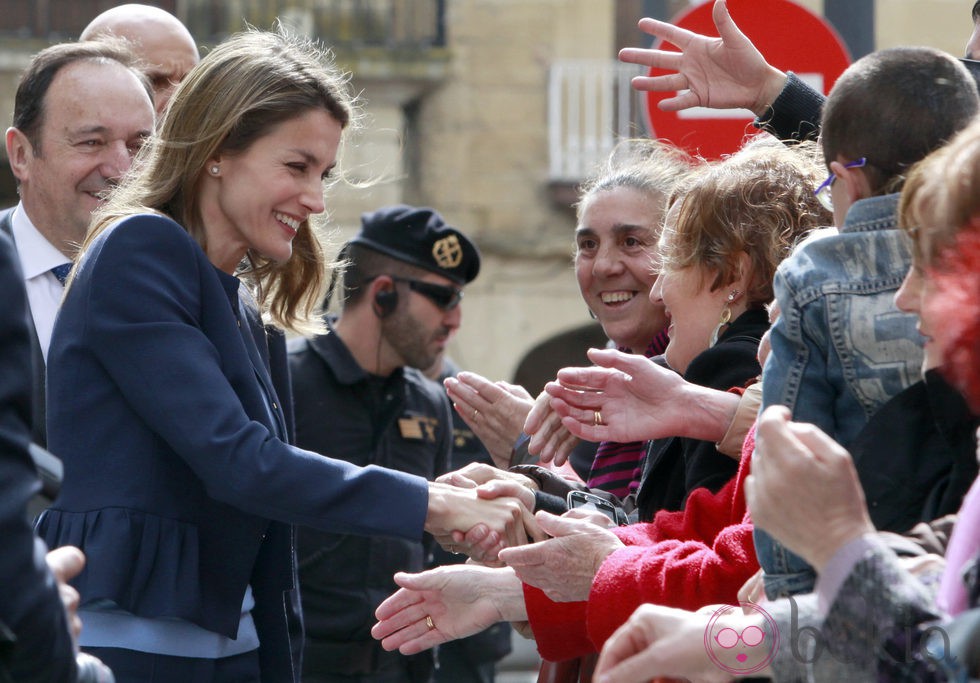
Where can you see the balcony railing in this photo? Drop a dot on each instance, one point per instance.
(344, 24)
(591, 106)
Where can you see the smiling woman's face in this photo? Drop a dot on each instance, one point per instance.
(616, 242)
(922, 295)
(259, 199)
(693, 310)
(917, 295)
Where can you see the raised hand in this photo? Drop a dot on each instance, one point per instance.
(550, 439)
(727, 72)
(804, 489)
(661, 641)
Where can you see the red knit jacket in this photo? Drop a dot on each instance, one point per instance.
(687, 559)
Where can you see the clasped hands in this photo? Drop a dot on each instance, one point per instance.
(458, 516)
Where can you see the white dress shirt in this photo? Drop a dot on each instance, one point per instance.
(37, 258)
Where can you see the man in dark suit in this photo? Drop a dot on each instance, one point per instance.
(81, 112)
(360, 395)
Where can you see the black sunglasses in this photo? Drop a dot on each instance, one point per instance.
(445, 297)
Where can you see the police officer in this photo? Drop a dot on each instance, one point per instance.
(360, 395)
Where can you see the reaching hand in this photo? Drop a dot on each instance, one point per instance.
(495, 411)
(592, 516)
(637, 400)
(460, 600)
(564, 566)
(727, 72)
(550, 439)
(661, 641)
(508, 488)
(753, 591)
(477, 473)
(804, 489)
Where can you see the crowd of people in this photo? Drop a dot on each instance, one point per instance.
(864, 448)
(785, 481)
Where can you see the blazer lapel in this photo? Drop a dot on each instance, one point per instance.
(253, 333)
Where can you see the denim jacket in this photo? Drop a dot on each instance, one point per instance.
(841, 348)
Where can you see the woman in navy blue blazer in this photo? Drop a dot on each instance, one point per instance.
(180, 484)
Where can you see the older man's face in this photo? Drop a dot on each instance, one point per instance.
(96, 116)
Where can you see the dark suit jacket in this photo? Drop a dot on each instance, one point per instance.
(179, 485)
(29, 604)
(37, 358)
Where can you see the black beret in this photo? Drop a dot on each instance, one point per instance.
(420, 236)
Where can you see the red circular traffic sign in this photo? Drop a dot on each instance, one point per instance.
(791, 38)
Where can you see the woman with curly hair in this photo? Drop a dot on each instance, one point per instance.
(721, 243)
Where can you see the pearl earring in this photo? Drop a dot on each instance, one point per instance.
(215, 170)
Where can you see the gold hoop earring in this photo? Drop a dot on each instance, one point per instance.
(726, 316)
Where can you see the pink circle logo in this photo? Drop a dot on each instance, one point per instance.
(740, 652)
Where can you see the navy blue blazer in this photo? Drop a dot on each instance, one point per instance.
(179, 484)
(30, 609)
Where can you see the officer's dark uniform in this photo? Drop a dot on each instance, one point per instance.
(403, 422)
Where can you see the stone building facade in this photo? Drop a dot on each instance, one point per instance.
(462, 114)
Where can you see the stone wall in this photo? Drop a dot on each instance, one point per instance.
(467, 134)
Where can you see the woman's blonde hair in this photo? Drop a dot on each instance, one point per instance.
(759, 202)
(238, 93)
